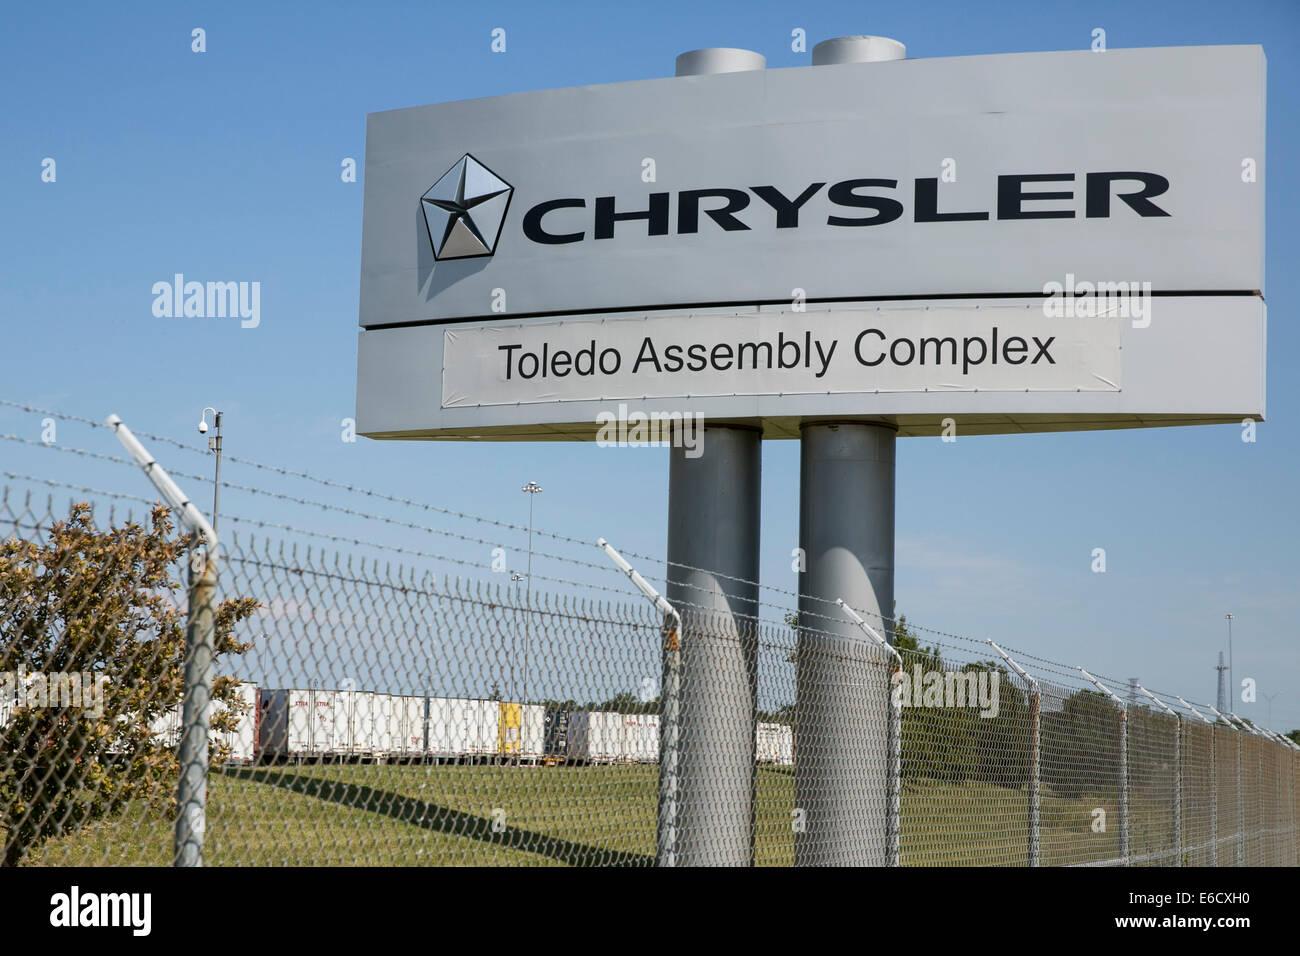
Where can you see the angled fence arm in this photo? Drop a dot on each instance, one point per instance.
(670, 727)
(177, 500)
(1194, 710)
(200, 644)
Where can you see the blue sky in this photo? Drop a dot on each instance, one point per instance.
(226, 164)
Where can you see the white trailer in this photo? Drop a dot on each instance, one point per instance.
(297, 723)
(166, 728)
(766, 743)
(485, 717)
(242, 741)
(357, 725)
(453, 727)
(401, 726)
(414, 725)
(388, 727)
(640, 738)
(533, 738)
(595, 736)
(774, 744)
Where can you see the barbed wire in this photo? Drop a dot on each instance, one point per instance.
(886, 621)
(1042, 664)
(316, 504)
(449, 512)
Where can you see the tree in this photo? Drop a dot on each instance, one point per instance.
(627, 703)
(1080, 745)
(104, 605)
(551, 703)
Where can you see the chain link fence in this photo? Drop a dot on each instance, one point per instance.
(385, 700)
(374, 713)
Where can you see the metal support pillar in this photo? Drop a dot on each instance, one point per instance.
(713, 540)
(842, 719)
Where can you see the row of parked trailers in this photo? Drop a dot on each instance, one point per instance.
(297, 724)
(321, 723)
(241, 743)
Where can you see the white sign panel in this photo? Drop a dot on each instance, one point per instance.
(1187, 360)
(983, 175)
(869, 240)
(781, 353)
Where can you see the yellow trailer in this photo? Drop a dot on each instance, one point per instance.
(509, 729)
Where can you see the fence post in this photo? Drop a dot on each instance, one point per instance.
(192, 787)
(1241, 810)
(1178, 791)
(670, 722)
(1259, 789)
(894, 736)
(1214, 797)
(1290, 770)
(1241, 797)
(669, 746)
(1035, 708)
(1178, 773)
(1288, 761)
(1214, 786)
(1123, 765)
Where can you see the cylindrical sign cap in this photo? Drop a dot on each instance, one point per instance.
(719, 59)
(857, 50)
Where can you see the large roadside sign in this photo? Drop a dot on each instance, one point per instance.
(1025, 242)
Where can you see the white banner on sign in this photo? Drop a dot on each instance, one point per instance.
(937, 349)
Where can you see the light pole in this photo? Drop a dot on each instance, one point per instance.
(532, 489)
(515, 578)
(1232, 688)
(214, 444)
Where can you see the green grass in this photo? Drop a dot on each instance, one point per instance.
(364, 814)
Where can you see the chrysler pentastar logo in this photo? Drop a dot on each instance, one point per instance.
(465, 210)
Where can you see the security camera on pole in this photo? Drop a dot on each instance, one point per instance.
(214, 444)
